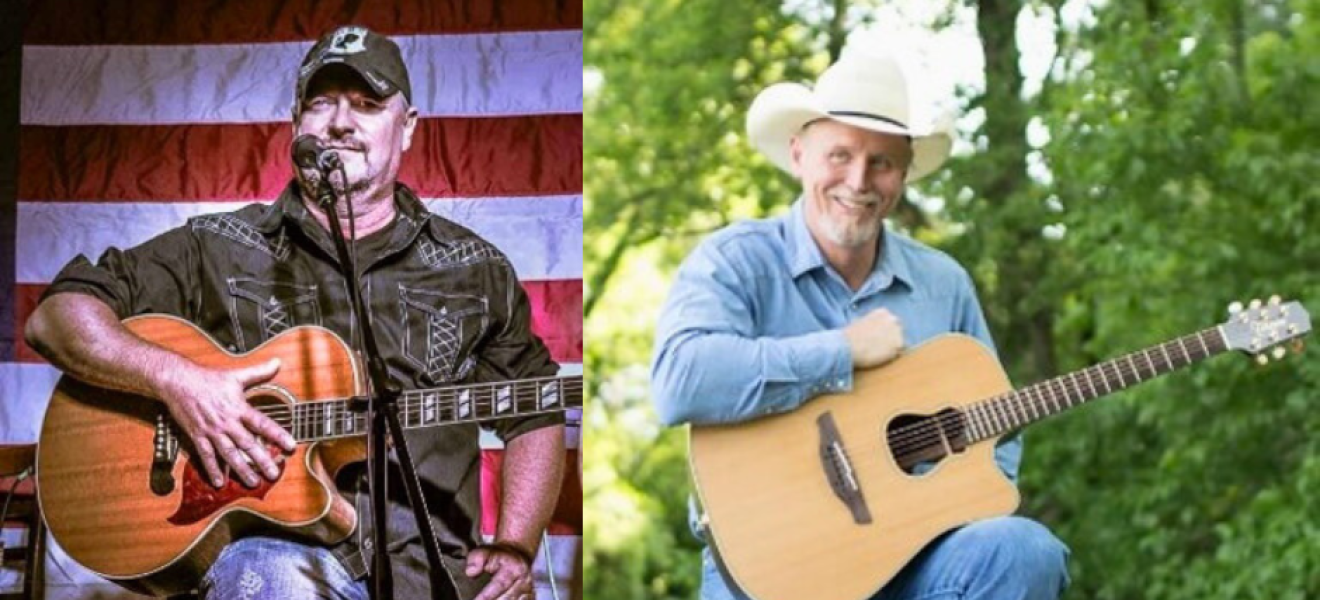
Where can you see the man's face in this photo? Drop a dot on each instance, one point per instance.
(369, 132)
(851, 177)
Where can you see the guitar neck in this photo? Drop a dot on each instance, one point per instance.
(998, 415)
(316, 421)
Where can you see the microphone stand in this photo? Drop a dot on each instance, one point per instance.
(382, 408)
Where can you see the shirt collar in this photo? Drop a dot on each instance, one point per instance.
(804, 255)
(411, 211)
(893, 264)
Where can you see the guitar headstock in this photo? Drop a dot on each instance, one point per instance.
(1261, 329)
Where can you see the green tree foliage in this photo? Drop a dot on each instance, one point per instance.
(1175, 177)
(1182, 157)
(667, 83)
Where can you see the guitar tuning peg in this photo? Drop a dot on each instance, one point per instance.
(1275, 300)
(1262, 359)
(1255, 303)
(1235, 308)
(1279, 352)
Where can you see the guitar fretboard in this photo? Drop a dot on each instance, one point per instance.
(1000, 414)
(315, 421)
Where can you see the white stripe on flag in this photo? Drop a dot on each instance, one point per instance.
(25, 390)
(542, 235)
(563, 553)
(489, 74)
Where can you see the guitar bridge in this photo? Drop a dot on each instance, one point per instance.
(165, 450)
(839, 470)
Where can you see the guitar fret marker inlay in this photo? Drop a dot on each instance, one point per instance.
(465, 404)
(504, 400)
(549, 394)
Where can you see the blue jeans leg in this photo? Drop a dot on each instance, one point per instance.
(259, 568)
(1005, 558)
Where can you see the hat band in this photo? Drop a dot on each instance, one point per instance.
(867, 115)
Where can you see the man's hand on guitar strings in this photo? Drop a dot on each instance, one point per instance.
(875, 339)
(210, 407)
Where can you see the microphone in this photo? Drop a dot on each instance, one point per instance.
(309, 154)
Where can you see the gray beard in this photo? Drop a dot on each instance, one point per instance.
(851, 237)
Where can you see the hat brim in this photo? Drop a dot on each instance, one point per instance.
(383, 87)
(780, 111)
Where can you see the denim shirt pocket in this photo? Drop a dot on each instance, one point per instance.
(260, 310)
(441, 330)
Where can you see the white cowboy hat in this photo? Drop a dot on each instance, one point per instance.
(863, 91)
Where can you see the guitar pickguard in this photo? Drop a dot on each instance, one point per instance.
(201, 499)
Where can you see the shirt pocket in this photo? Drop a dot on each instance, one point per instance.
(260, 310)
(441, 331)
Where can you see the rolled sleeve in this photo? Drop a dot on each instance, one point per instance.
(158, 276)
(516, 352)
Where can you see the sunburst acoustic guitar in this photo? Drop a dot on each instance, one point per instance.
(123, 499)
(825, 502)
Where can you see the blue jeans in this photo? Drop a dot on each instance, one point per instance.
(269, 568)
(1005, 558)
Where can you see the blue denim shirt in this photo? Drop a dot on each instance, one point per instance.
(753, 323)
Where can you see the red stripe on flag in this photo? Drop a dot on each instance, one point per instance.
(209, 22)
(556, 317)
(567, 518)
(450, 157)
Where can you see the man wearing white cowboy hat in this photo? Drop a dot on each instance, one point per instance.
(768, 314)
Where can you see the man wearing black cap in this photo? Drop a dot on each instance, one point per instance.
(446, 306)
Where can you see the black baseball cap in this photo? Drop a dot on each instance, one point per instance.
(373, 56)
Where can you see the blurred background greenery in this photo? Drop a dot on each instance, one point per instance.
(1125, 169)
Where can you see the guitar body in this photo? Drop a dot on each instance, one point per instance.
(781, 532)
(95, 466)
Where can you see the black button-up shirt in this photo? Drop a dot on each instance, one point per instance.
(446, 307)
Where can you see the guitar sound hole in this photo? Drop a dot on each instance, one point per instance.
(916, 441)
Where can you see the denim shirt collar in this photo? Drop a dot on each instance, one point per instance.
(805, 256)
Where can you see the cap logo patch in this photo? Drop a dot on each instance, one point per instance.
(348, 40)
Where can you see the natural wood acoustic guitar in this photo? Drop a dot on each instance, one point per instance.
(123, 499)
(827, 502)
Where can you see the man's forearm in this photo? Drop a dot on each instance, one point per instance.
(83, 337)
(533, 473)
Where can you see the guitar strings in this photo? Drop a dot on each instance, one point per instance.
(928, 432)
(314, 415)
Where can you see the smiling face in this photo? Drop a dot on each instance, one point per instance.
(851, 178)
(369, 132)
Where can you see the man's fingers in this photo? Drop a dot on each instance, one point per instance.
(234, 458)
(206, 453)
(263, 425)
(500, 583)
(257, 374)
(476, 562)
(256, 451)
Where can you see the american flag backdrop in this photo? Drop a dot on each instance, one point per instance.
(133, 116)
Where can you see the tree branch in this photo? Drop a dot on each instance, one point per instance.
(601, 277)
